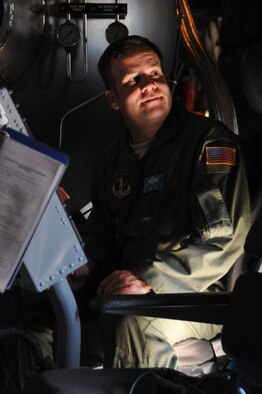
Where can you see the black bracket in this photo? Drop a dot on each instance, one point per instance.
(93, 10)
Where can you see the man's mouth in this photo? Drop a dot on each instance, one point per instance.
(151, 99)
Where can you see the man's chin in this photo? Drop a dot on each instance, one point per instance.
(155, 112)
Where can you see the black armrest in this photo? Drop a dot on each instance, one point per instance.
(199, 307)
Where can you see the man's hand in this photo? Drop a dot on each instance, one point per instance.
(123, 282)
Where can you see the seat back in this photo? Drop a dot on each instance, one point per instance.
(241, 333)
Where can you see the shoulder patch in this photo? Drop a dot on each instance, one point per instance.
(220, 155)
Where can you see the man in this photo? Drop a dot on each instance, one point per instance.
(170, 206)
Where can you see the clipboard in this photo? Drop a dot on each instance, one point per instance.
(30, 172)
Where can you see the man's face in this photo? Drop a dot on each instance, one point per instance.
(141, 91)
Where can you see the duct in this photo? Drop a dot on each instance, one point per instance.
(220, 101)
(21, 30)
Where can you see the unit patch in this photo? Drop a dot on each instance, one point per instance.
(220, 155)
(121, 187)
(153, 183)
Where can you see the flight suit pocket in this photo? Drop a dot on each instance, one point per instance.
(217, 220)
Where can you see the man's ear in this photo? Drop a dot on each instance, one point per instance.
(112, 99)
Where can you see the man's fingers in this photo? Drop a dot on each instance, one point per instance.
(113, 281)
(123, 282)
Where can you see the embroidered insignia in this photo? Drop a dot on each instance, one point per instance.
(153, 183)
(121, 187)
(220, 155)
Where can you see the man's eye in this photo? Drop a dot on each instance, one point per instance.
(132, 82)
(155, 74)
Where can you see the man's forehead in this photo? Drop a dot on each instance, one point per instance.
(131, 51)
(135, 56)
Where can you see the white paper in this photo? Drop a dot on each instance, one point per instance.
(27, 180)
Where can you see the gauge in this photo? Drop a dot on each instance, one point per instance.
(115, 31)
(68, 34)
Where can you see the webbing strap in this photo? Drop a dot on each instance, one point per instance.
(193, 352)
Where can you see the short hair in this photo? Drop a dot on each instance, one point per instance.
(120, 48)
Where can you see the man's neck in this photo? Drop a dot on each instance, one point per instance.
(141, 148)
(143, 133)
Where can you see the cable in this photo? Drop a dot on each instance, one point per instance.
(137, 380)
(73, 110)
(177, 63)
(168, 380)
(20, 332)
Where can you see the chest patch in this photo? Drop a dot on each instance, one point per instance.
(153, 183)
(121, 187)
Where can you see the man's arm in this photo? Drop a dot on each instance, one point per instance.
(220, 211)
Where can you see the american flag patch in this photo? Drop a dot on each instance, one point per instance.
(220, 155)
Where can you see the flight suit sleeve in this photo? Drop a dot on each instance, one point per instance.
(98, 234)
(220, 213)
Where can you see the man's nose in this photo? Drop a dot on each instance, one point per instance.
(147, 82)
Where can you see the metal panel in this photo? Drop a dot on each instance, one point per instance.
(55, 250)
